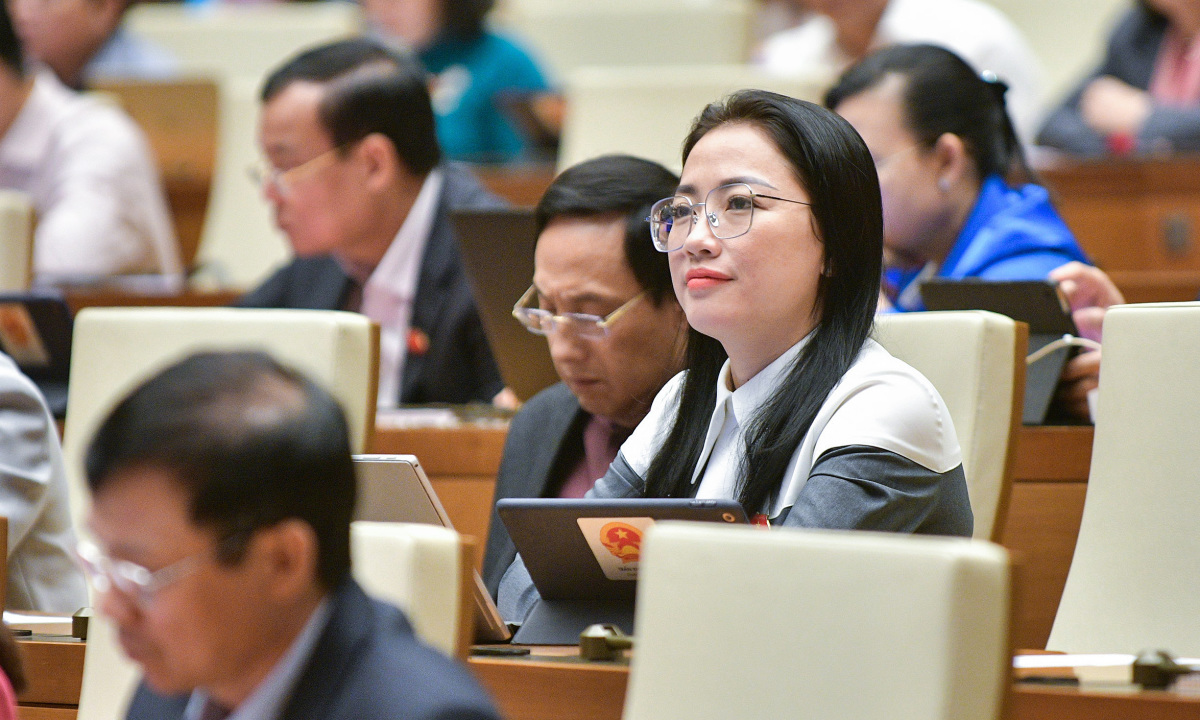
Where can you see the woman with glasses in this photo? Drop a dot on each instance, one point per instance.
(774, 240)
(956, 198)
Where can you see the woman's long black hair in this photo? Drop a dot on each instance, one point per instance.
(832, 163)
(943, 94)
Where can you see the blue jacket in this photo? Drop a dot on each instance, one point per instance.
(1011, 234)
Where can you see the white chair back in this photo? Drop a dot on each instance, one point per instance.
(737, 622)
(109, 677)
(116, 349)
(223, 39)
(240, 244)
(647, 111)
(976, 360)
(16, 241)
(568, 35)
(422, 569)
(1133, 583)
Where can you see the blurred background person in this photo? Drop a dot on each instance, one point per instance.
(480, 77)
(357, 183)
(83, 41)
(1145, 95)
(33, 496)
(957, 196)
(602, 296)
(838, 33)
(86, 165)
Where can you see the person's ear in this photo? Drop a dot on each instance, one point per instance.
(380, 161)
(952, 161)
(286, 553)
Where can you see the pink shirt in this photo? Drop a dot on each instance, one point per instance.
(601, 441)
(8, 698)
(1176, 79)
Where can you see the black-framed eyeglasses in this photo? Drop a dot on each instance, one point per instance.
(729, 210)
(544, 322)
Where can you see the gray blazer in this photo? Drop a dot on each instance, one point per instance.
(1130, 57)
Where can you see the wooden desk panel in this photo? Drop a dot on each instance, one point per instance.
(1030, 702)
(54, 669)
(520, 185)
(531, 689)
(1049, 484)
(79, 298)
(546, 689)
(1131, 214)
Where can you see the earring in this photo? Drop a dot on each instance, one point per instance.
(944, 185)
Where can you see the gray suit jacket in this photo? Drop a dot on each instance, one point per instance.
(458, 365)
(544, 441)
(367, 665)
(1132, 51)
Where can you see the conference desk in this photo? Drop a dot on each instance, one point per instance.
(553, 687)
(558, 687)
(1049, 484)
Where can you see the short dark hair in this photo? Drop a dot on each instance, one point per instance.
(464, 19)
(369, 88)
(252, 443)
(943, 94)
(611, 185)
(833, 165)
(11, 54)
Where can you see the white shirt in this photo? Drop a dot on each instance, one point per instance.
(388, 293)
(33, 496)
(879, 402)
(96, 190)
(974, 30)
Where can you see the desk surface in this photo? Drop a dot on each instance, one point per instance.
(554, 687)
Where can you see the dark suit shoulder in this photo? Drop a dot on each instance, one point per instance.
(547, 412)
(400, 677)
(367, 665)
(548, 427)
(464, 191)
(312, 283)
(149, 705)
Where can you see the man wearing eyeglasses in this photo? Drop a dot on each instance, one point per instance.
(357, 183)
(602, 296)
(222, 496)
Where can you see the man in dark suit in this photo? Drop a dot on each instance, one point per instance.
(222, 497)
(602, 296)
(356, 183)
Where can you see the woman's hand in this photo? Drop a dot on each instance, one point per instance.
(1089, 292)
